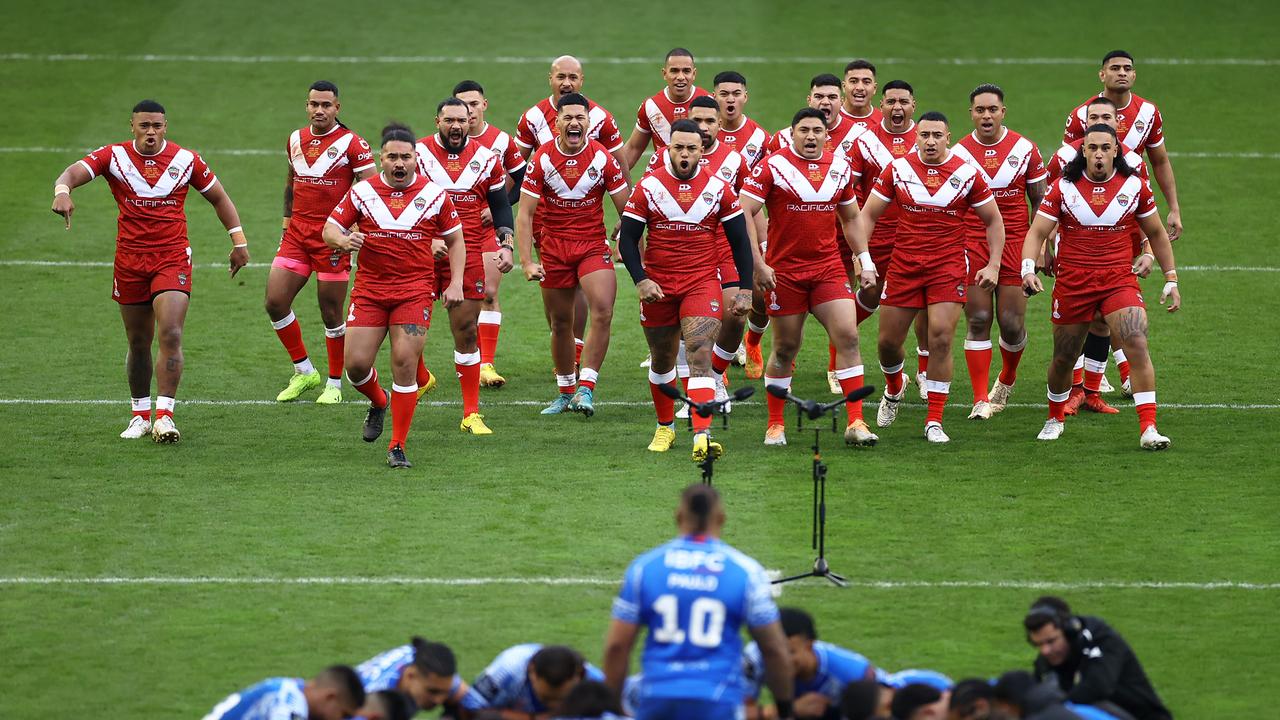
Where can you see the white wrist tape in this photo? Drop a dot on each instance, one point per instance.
(1028, 267)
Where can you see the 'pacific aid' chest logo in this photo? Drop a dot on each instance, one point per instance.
(815, 172)
(933, 179)
(684, 194)
(1098, 198)
(990, 160)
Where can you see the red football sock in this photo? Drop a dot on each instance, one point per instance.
(851, 379)
(578, 344)
(892, 379)
(862, 312)
(831, 357)
(335, 341)
(404, 400)
(977, 355)
(701, 390)
(423, 374)
(719, 361)
(164, 407)
(664, 406)
(290, 333)
(938, 393)
(1145, 403)
(468, 367)
(1122, 364)
(754, 334)
(1077, 374)
(487, 327)
(922, 361)
(142, 408)
(1058, 405)
(1010, 356)
(777, 406)
(587, 378)
(369, 388)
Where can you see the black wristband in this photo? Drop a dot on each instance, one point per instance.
(784, 709)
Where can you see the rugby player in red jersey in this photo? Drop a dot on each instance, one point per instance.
(934, 189)
(473, 175)
(656, 115)
(1093, 205)
(678, 278)
(398, 213)
(802, 187)
(325, 159)
(859, 91)
(1013, 169)
(149, 178)
(565, 184)
(1139, 126)
(495, 266)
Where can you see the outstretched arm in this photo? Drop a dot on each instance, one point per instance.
(73, 177)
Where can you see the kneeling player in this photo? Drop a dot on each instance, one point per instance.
(566, 182)
(398, 213)
(334, 694)
(803, 186)
(426, 672)
(821, 670)
(528, 680)
(678, 279)
(1095, 204)
(934, 189)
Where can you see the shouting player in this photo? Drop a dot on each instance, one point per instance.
(334, 694)
(149, 178)
(933, 189)
(1013, 169)
(859, 91)
(478, 130)
(474, 176)
(1094, 205)
(425, 671)
(325, 158)
(566, 182)
(1138, 124)
(693, 595)
(678, 280)
(398, 213)
(805, 189)
(657, 115)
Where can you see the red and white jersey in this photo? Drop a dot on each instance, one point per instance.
(870, 120)
(682, 216)
(151, 191)
(1009, 166)
(1097, 220)
(1068, 152)
(933, 200)
(399, 225)
(324, 167)
(1139, 124)
(469, 176)
(751, 140)
(537, 126)
(874, 150)
(500, 143)
(802, 197)
(840, 139)
(721, 160)
(571, 189)
(657, 114)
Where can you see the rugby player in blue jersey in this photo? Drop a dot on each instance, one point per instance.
(425, 671)
(693, 595)
(821, 670)
(527, 681)
(334, 694)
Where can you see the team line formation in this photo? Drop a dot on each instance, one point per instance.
(693, 597)
(850, 210)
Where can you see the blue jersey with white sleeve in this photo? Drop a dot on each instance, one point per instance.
(382, 672)
(837, 667)
(694, 594)
(903, 678)
(504, 685)
(273, 699)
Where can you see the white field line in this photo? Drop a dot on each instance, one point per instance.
(541, 403)
(213, 152)
(552, 581)
(223, 265)
(544, 60)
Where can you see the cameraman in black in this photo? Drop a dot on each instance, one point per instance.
(1091, 662)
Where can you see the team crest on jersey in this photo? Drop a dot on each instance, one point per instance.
(1013, 161)
(848, 288)
(1123, 200)
(752, 149)
(1139, 125)
(173, 173)
(182, 278)
(708, 198)
(715, 306)
(773, 301)
(726, 173)
(426, 314)
(420, 204)
(593, 173)
(479, 286)
(332, 153)
(955, 182)
(475, 166)
(960, 290)
(846, 145)
(835, 175)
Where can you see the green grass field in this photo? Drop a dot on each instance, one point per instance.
(947, 546)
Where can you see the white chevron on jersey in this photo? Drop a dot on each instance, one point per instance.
(1079, 207)
(177, 173)
(785, 173)
(875, 150)
(958, 184)
(661, 200)
(372, 205)
(333, 157)
(587, 181)
(545, 133)
(479, 166)
(1140, 127)
(1008, 174)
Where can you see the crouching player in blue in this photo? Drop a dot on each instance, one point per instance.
(527, 681)
(821, 670)
(334, 694)
(425, 671)
(694, 594)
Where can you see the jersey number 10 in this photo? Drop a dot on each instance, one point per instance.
(706, 621)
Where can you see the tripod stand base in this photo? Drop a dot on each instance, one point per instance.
(820, 570)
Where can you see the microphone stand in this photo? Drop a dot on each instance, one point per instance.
(814, 410)
(708, 409)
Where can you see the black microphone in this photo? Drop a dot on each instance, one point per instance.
(743, 393)
(670, 391)
(709, 408)
(812, 409)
